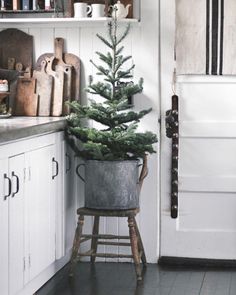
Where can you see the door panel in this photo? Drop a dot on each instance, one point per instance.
(220, 207)
(4, 191)
(207, 156)
(41, 210)
(206, 225)
(17, 260)
(69, 197)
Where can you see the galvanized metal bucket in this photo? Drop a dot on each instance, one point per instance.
(111, 185)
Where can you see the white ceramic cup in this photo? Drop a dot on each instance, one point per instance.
(81, 10)
(98, 10)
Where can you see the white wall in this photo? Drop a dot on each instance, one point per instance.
(142, 44)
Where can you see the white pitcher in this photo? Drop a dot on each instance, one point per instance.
(119, 10)
(81, 10)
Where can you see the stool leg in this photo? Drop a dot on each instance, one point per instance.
(140, 244)
(134, 246)
(76, 244)
(94, 243)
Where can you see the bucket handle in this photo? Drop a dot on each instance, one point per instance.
(144, 171)
(77, 171)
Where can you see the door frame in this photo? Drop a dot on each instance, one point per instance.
(167, 65)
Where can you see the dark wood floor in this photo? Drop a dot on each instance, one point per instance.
(119, 279)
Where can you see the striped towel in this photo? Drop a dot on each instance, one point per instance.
(206, 37)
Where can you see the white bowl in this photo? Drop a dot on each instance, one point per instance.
(3, 87)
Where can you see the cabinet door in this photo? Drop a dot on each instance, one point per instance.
(4, 195)
(16, 225)
(66, 202)
(69, 196)
(59, 184)
(41, 209)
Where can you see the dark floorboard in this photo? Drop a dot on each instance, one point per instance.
(119, 279)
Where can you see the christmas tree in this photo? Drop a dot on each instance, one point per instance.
(119, 140)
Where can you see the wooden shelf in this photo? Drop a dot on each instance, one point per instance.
(64, 22)
(26, 11)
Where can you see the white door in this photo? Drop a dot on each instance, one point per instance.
(41, 209)
(17, 262)
(5, 190)
(206, 223)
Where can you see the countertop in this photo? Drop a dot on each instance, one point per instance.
(14, 128)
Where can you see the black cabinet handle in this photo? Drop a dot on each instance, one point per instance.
(9, 186)
(57, 168)
(17, 184)
(69, 163)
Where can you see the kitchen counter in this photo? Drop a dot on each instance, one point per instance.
(14, 128)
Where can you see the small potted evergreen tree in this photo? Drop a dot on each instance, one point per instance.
(112, 153)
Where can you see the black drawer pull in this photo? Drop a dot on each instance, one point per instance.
(57, 167)
(9, 186)
(69, 163)
(17, 184)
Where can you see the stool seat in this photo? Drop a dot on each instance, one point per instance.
(134, 237)
(107, 213)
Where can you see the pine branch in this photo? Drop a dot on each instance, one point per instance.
(99, 106)
(122, 74)
(104, 41)
(121, 61)
(128, 90)
(111, 34)
(132, 127)
(78, 108)
(99, 88)
(123, 105)
(99, 117)
(125, 74)
(129, 117)
(74, 119)
(101, 69)
(105, 58)
(126, 32)
(118, 51)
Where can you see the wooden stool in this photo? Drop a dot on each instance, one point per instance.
(134, 237)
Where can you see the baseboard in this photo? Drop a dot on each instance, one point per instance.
(196, 262)
(45, 276)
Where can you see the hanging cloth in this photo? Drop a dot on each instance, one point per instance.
(206, 37)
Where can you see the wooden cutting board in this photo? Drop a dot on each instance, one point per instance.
(26, 102)
(74, 61)
(59, 48)
(18, 45)
(44, 84)
(58, 86)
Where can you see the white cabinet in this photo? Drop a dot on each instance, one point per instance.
(69, 196)
(37, 211)
(66, 198)
(4, 192)
(16, 224)
(40, 196)
(12, 224)
(29, 175)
